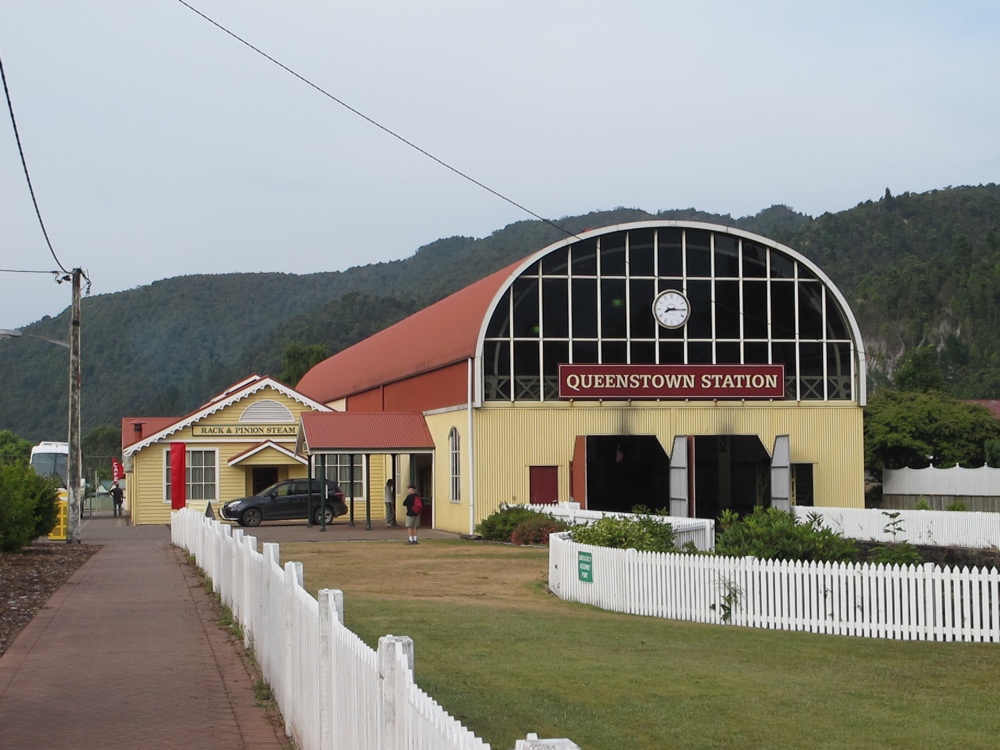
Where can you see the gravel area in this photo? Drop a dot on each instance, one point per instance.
(29, 577)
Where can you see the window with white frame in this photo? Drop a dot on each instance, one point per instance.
(455, 451)
(201, 473)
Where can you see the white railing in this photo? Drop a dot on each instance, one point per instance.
(924, 602)
(698, 531)
(332, 689)
(938, 527)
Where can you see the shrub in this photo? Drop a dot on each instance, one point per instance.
(958, 505)
(773, 534)
(922, 504)
(537, 530)
(642, 532)
(500, 526)
(27, 506)
(661, 533)
(46, 506)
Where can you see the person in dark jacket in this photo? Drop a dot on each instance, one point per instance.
(118, 497)
(412, 516)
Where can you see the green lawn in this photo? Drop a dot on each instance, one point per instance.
(528, 662)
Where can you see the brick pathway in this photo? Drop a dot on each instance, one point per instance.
(127, 655)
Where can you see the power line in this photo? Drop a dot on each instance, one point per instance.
(24, 164)
(18, 270)
(377, 124)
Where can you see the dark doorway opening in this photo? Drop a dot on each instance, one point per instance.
(262, 478)
(731, 472)
(423, 479)
(627, 470)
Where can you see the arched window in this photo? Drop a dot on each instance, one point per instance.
(455, 453)
(267, 410)
(590, 302)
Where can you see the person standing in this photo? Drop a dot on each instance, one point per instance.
(118, 497)
(390, 503)
(413, 505)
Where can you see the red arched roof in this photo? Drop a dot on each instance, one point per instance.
(439, 335)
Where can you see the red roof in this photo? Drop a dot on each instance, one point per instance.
(146, 426)
(992, 404)
(439, 335)
(365, 432)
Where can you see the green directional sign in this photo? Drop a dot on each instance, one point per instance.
(585, 566)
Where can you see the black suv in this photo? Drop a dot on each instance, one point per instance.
(290, 499)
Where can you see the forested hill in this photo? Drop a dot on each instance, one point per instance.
(917, 268)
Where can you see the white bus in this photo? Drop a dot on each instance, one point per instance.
(51, 459)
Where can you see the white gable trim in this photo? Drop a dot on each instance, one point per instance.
(233, 395)
(235, 460)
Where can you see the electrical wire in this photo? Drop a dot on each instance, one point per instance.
(377, 124)
(24, 164)
(18, 270)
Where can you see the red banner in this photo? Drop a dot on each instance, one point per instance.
(178, 475)
(117, 470)
(631, 382)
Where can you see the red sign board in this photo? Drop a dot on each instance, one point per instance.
(671, 381)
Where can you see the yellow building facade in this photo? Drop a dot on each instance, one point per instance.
(237, 444)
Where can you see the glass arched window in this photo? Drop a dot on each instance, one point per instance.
(455, 455)
(589, 302)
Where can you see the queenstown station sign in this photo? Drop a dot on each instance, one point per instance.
(673, 382)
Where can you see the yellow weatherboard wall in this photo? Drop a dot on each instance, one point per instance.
(510, 438)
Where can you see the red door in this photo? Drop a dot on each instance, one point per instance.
(544, 484)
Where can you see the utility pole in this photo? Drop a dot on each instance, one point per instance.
(74, 467)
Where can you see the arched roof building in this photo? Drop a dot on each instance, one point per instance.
(656, 363)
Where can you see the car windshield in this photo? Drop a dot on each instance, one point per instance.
(273, 488)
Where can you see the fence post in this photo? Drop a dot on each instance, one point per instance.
(392, 689)
(331, 604)
(293, 576)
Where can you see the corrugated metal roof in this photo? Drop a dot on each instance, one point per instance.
(146, 426)
(365, 432)
(439, 335)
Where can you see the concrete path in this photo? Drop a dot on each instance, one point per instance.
(127, 654)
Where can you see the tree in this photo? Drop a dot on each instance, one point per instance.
(299, 359)
(920, 371)
(99, 446)
(906, 429)
(13, 447)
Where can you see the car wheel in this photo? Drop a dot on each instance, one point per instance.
(324, 516)
(251, 517)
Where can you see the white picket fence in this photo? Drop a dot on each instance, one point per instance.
(699, 531)
(937, 527)
(333, 689)
(924, 602)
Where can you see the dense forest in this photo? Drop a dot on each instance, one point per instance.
(918, 269)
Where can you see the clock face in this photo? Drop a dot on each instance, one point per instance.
(671, 309)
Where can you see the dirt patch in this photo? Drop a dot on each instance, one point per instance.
(951, 557)
(446, 571)
(29, 577)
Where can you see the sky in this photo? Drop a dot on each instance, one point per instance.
(160, 146)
